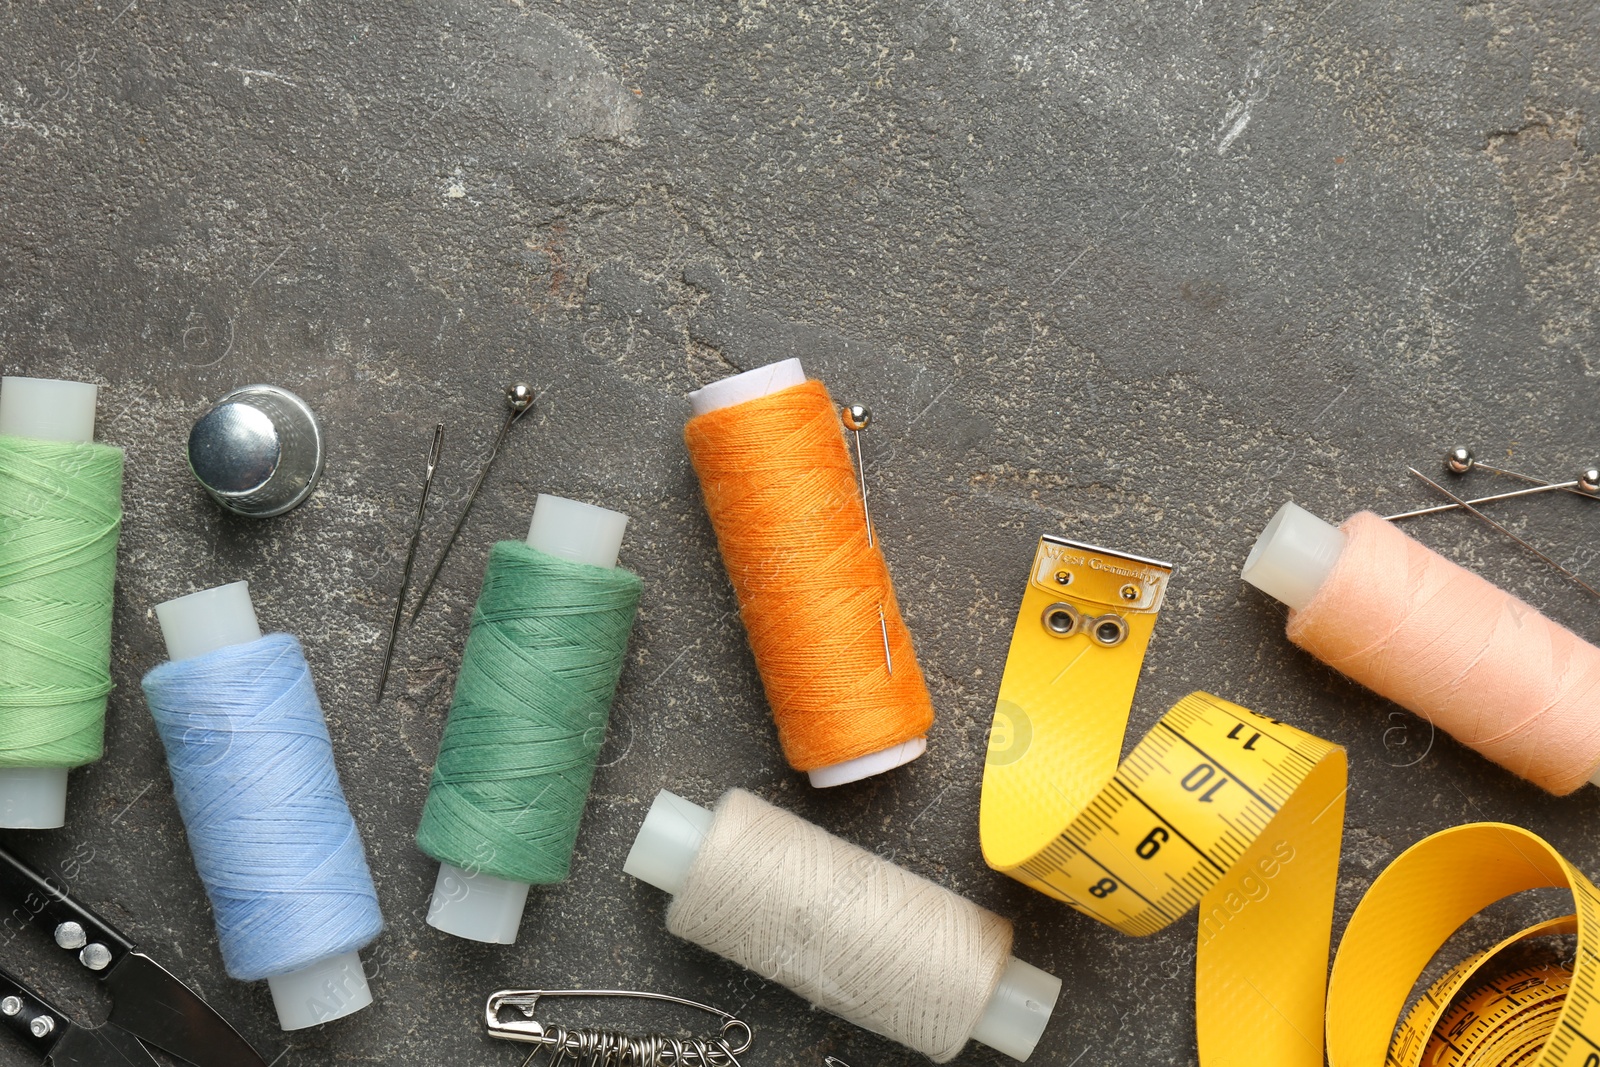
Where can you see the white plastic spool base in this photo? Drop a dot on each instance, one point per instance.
(479, 906)
(203, 622)
(1012, 1021)
(193, 626)
(752, 385)
(44, 409)
(33, 798)
(325, 991)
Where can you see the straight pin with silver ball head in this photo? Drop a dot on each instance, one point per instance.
(519, 401)
(1466, 505)
(1460, 461)
(857, 417)
(411, 557)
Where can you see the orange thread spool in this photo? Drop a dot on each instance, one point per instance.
(781, 491)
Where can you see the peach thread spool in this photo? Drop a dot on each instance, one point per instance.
(1466, 655)
(813, 588)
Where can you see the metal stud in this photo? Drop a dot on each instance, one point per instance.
(42, 1026)
(70, 935)
(95, 956)
(10, 1006)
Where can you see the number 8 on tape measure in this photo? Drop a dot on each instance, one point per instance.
(1217, 808)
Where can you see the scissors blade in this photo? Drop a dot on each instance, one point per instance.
(99, 1046)
(148, 1002)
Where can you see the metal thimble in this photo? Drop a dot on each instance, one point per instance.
(258, 451)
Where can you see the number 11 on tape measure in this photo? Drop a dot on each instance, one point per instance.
(1216, 808)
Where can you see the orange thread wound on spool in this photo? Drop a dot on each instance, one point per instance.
(780, 488)
(1461, 652)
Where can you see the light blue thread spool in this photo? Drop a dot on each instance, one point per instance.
(273, 839)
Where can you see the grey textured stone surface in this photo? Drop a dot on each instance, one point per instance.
(1132, 272)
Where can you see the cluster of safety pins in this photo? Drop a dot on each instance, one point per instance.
(1218, 810)
(604, 1048)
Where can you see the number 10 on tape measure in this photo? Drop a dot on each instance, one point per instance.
(1216, 808)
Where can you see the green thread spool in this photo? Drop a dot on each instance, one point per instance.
(60, 516)
(548, 641)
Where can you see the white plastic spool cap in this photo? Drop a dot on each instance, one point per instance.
(44, 409)
(1012, 1021)
(194, 626)
(203, 622)
(473, 904)
(1293, 556)
(752, 385)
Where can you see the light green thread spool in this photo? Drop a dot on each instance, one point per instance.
(548, 642)
(60, 516)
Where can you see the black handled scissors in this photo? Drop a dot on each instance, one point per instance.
(61, 1042)
(147, 1002)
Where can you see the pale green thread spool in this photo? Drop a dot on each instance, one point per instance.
(547, 646)
(60, 516)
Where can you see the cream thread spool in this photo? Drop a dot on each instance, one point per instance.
(1306, 563)
(669, 853)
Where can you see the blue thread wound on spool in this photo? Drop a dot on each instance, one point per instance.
(273, 839)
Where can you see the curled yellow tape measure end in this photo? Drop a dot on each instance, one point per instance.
(1412, 908)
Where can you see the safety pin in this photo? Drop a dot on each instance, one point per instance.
(593, 1046)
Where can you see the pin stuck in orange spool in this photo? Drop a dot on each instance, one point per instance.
(814, 592)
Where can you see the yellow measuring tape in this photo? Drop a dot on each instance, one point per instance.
(1216, 807)
(1472, 1017)
(1241, 816)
